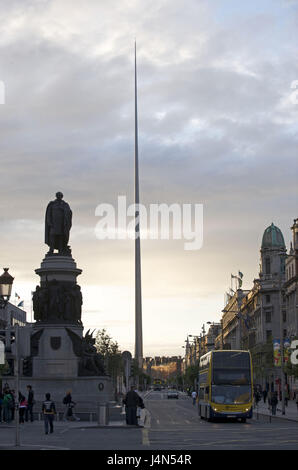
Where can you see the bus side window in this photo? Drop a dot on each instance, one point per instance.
(207, 390)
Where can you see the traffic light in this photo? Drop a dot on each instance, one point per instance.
(27, 367)
(7, 336)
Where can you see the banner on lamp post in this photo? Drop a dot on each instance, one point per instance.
(277, 352)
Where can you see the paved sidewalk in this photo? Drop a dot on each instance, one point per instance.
(291, 412)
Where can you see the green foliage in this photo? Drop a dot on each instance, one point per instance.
(4, 368)
(191, 374)
(110, 351)
(262, 359)
(143, 379)
(291, 369)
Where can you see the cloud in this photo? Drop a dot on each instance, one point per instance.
(216, 126)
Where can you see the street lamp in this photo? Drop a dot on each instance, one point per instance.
(6, 281)
(197, 339)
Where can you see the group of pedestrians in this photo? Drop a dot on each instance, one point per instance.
(272, 398)
(49, 411)
(8, 402)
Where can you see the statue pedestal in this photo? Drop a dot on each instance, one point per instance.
(58, 299)
(59, 268)
(62, 358)
(56, 357)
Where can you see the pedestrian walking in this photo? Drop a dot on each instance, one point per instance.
(31, 402)
(140, 406)
(49, 410)
(273, 403)
(194, 397)
(69, 407)
(13, 406)
(22, 408)
(131, 401)
(265, 393)
(8, 404)
(269, 400)
(287, 396)
(297, 401)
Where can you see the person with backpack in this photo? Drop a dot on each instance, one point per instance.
(69, 407)
(49, 410)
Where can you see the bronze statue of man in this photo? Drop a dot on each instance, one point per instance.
(57, 225)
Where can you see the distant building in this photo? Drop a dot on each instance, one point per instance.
(10, 315)
(291, 284)
(252, 318)
(163, 367)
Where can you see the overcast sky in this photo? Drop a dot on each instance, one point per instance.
(217, 126)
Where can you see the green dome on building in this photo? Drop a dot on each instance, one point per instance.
(273, 238)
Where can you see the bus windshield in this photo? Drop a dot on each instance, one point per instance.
(231, 394)
(231, 377)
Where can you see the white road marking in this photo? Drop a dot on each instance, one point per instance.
(145, 437)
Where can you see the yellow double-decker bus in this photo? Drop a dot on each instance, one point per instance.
(225, 385)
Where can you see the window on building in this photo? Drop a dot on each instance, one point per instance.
(268, 335)
(267, 266)
(268, 299)
(283, 264)
(268, 317)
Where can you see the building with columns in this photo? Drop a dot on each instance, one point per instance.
(11, 314)
(291, 284)
(253, 319)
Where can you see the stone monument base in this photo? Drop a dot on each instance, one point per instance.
(55, 358)
(87, 392)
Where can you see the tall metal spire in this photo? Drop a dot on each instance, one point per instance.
(138, 284)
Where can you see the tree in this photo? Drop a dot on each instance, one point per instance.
(143, 379)
(191, 375)
(4, 369)
(262, 360)
(111, 353)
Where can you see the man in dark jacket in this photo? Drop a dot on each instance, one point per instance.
(273, 403)
(131, 402)
(30, 400)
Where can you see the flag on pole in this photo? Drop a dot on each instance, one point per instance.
(17, 296)
(240, 274)
(21, 304)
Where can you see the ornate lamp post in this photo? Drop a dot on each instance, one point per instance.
(6, 281)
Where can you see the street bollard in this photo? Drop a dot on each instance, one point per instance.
(103, 414)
